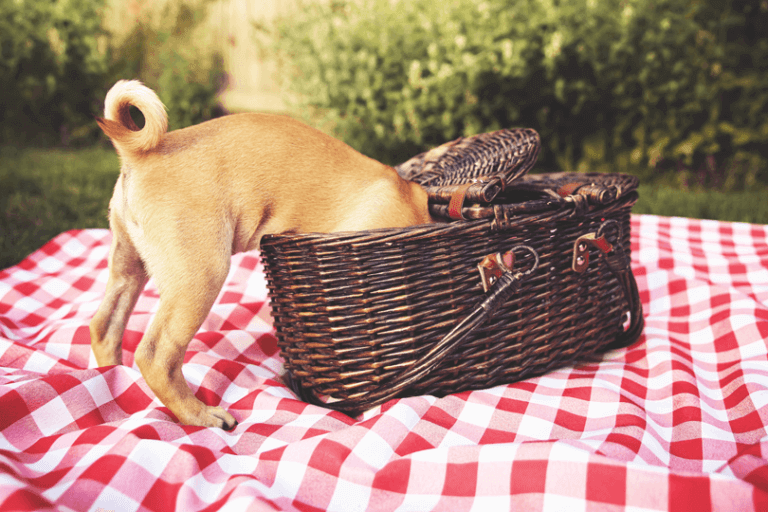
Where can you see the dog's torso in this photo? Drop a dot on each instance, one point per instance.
(186, 200)
(247, 175)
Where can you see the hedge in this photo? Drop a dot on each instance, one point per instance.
(57, 61)
(646, 86)
(50, 67)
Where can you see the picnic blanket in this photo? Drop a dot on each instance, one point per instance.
(675, 422)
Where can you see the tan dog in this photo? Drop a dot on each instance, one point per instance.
(187, 200)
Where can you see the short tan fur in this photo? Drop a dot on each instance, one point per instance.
(187, 200)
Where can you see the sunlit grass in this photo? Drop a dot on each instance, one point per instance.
(44, 192)
(742, 206)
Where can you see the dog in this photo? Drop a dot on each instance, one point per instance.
(188, 199)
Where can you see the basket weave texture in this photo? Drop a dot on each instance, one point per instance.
(362, 317)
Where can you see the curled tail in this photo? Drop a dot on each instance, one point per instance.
(118, 125)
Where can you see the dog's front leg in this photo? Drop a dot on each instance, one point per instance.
(188, 289)
(127, 278)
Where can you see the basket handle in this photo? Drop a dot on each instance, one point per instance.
(502, 288)
(619, 264)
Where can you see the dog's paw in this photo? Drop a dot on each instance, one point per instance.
(197, 414)
(218, 417)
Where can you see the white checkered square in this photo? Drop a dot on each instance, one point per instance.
(52, 416)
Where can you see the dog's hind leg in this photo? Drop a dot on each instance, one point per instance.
(188, 287)
(127, 278)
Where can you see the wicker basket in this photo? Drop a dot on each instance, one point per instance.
(527, 274)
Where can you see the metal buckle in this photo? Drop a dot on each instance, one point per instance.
(493, 266)
(581, 250)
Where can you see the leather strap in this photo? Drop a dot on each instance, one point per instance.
(618, 263)
(457, 202)
(569, 188)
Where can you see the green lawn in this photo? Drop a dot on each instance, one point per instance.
(745, 206)
(45, 192)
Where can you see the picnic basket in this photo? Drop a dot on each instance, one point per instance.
(527, 274)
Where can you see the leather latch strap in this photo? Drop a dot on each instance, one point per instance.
(456, 203)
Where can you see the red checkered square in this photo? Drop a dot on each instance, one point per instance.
(104, 469)
(607, 484)
(160, 495)
(689, 493)
(393, 477)
(24, 499)
(528, 476)
(329, 456)
(460, 479)
(413, 443)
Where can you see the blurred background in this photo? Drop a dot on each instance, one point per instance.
(673, 91)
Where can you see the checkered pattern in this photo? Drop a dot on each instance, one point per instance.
(675, 422)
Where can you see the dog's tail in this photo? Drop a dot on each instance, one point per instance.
(118, 124)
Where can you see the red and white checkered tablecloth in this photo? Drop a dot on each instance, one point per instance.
(675, 422)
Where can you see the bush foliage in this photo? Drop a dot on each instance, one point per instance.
(57, 61)
(610, 84)
(50, 67)
(168, 50)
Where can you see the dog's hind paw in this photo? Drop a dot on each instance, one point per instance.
(222, 418)
(214, 417)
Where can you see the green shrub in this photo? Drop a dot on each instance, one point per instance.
(609, 84)
(57, 61)
(51, 68)
(169, 51)
(689, 91)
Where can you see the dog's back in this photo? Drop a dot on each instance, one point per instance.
(186, 200)
(269, 173)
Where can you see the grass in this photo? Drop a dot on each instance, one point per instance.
(44, 192)
(743, 206)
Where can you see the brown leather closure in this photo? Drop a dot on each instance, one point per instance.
(581, 250)
(492, 187)
(569, 188)
(483, 190)
(457, 202)
(493, 267)
(595, 194)
(599, 194)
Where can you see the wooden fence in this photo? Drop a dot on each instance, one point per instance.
(230, 29)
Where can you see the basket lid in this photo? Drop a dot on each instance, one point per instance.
(483, 164)
(473, 177)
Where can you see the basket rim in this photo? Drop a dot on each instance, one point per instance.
(485, 216)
